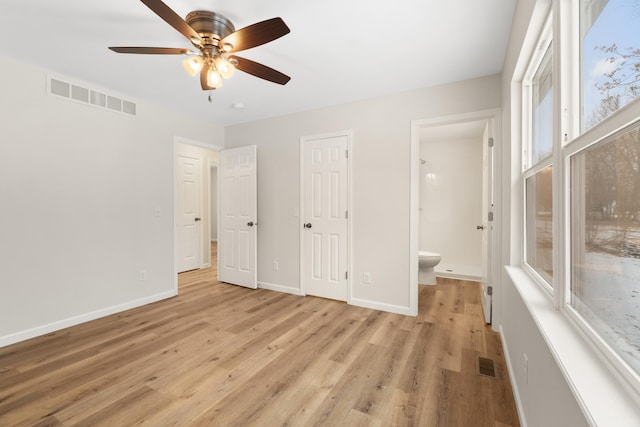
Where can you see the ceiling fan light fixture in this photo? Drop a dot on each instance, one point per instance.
(193, 64)
(225, 68)
(214, 79)
(227, 47)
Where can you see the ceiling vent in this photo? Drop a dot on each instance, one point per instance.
(80, 93)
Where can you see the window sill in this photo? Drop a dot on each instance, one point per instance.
(604, 399)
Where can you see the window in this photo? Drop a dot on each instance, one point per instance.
(542, 103)
(539, 224)
(610, 57)
(538, 161)
(605, 247)
(581, 190)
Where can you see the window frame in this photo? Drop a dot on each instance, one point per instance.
(618, 122)
(528, 169)
(562, 28)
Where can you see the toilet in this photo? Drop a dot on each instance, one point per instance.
(426, 262)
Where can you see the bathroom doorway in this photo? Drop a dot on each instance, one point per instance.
(453, 197)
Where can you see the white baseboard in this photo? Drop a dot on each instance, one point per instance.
(512, 379)
(76, 320)
(279, 288)
(398, 309)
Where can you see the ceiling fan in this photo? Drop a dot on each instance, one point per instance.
(216, 38)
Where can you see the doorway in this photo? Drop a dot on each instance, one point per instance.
(481, 126)
(192, 163)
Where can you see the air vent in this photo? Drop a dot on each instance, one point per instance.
(85, 95)
(486, 367)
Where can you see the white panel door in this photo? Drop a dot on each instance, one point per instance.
(487, 230)
(238, 217)
(325, 228)
(189, 222)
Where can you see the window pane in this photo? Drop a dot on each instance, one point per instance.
(539, 223)
(542, 98)
(605, 239)
(610, 56)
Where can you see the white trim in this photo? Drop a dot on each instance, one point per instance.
(459, 276)
(490, 114)
(512, 375)
(375, 305)
(279, 288)
(82, 318)
(587, 375)
(349, 134)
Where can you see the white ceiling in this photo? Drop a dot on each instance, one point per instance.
(338, 51)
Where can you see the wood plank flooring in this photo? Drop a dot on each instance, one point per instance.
(222, 355)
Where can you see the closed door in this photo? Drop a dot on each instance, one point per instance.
(189, 220)
(325, 226)
(237, 236)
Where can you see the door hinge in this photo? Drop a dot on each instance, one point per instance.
(489, 290)
(490, 216)
(346, 153)
(346, 274)
(346, 214)
(490, 142)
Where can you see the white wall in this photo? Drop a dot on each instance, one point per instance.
(451, 202)
(80, 187)
(381, 179)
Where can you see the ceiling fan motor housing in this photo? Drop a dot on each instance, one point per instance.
(212, 27)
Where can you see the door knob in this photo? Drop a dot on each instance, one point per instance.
(307, 225)
(250, 223)
(197, 219)
(479, 227)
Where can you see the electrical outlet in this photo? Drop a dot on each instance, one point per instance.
(366, 278)
(142, 276)
(276, 267)
(525, 366)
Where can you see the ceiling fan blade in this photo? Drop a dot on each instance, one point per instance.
(256, 34)
(261, 71)
(173, 19)
(151, 50)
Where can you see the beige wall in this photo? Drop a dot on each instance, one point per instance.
(381, 180)
(80, 189)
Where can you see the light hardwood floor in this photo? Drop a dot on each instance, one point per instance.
(222, 355)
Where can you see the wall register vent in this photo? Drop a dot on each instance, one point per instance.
(84, 95)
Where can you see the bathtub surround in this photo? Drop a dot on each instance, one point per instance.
(451, 200)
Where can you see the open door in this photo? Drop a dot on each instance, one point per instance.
(237, 236)
(487, 221)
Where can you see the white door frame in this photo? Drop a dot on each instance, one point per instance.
(349, 134)
(174, 214)
(414, 224)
